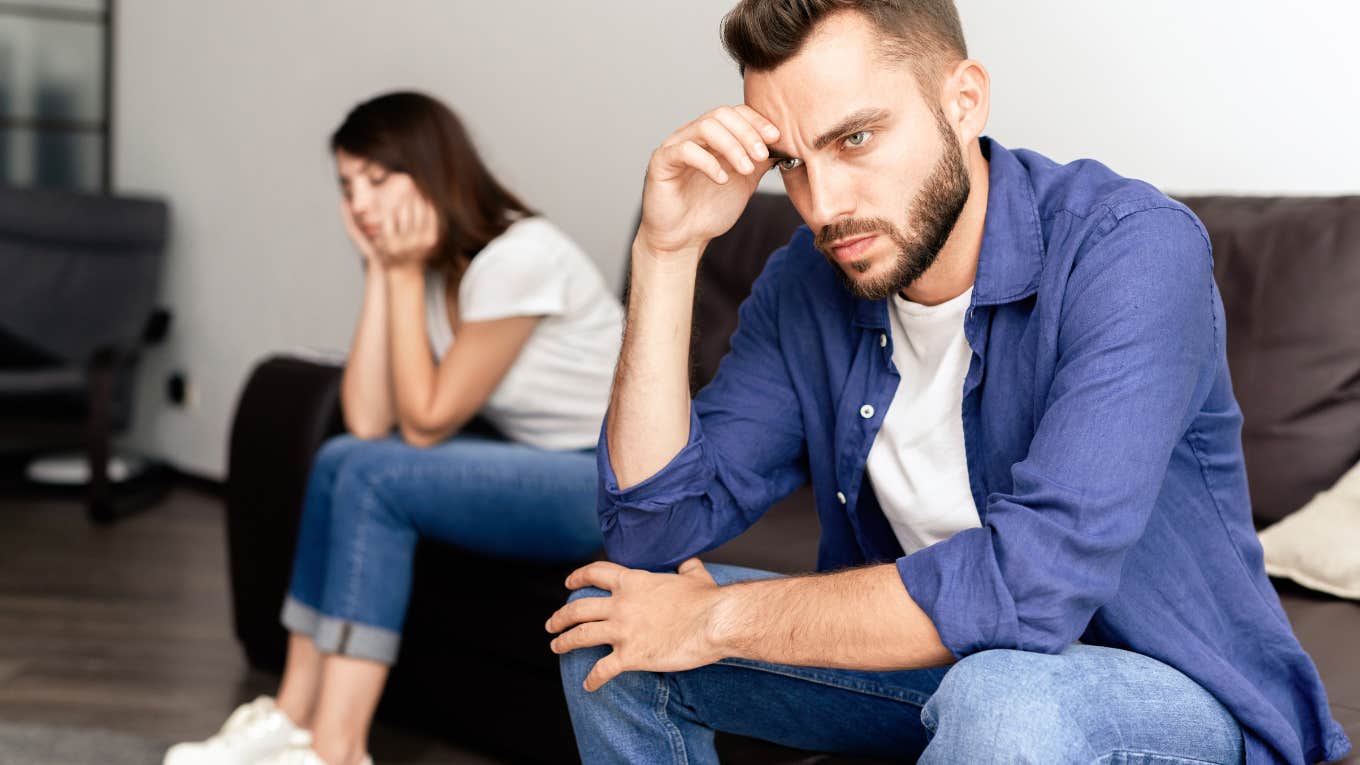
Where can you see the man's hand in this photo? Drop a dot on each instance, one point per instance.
(655, 622)
(701, 178)
(410, 234)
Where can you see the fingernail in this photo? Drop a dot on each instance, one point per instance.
(746, 166)
(770, 131)
(760, 151)
(722, 176)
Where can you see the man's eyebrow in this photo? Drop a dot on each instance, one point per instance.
(852, 124)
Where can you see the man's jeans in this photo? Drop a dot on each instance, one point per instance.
(368, 502)
(1085, 705)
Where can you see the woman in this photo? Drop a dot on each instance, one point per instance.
(472, 304)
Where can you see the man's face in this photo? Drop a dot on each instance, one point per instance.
(870, 163)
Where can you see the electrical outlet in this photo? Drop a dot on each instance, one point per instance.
(182, 392)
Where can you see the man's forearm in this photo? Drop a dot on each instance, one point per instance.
(861, 618)
(649, 410)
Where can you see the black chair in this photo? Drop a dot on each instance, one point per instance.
(79, 275)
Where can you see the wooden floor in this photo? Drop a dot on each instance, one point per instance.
(128, 627)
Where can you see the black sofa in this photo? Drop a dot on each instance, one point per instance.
(474, 664)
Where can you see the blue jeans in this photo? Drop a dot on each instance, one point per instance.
(1086, 705)
(368, 502)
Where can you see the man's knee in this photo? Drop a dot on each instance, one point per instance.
(998, 705)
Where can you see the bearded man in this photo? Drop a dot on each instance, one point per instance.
(1005, 380)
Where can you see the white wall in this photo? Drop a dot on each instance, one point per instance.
(1241, 96)
(225, 108)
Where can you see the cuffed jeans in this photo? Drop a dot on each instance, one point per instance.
(368, 502)
(1085, 705)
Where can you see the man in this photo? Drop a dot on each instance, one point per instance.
(1055, 561)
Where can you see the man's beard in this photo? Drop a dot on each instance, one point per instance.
(934, 211)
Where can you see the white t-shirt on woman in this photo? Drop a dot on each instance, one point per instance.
(555, 394)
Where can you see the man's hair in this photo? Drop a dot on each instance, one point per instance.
(762, 34)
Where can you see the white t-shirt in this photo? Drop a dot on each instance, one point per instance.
(917, 462)
(555, 394)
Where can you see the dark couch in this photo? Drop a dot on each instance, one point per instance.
(475, 666)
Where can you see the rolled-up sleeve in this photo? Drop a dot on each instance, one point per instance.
(746, 450)
(1138, 344)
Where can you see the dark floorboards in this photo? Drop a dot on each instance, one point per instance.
(128, 627)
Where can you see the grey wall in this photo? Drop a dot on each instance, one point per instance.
(225, 108)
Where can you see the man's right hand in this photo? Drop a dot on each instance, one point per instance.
(701, 178)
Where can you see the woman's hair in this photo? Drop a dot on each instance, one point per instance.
(412, 133)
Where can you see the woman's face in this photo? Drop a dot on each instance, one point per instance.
(372, 192)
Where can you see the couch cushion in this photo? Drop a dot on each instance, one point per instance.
(1318, 546)
(1289, 271)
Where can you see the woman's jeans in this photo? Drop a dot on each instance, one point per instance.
(1085, 705)
(368, 502)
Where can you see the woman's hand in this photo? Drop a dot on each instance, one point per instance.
(361, 241)
(409, 234)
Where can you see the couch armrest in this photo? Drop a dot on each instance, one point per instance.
(288, 408)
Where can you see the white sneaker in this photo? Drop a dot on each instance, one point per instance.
(301, 754)
(252, 732)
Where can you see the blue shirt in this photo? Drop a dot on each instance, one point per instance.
(1102, 437)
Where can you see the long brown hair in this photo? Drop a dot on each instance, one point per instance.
(412, 133)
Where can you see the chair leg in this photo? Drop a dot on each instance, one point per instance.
(98, 494)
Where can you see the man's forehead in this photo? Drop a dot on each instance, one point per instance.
(834, 76)
(810, 117)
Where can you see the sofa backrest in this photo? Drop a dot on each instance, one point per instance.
(1289, 271)
(729, 268)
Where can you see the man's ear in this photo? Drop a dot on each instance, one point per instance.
(966, 99)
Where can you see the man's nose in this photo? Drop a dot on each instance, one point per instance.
(828, 198)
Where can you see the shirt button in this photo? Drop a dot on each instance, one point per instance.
(883, 340)
(866, 411)
(841, 497)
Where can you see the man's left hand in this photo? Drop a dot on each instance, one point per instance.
(655, 622)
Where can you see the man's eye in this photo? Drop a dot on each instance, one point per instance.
(788, 164)
(859, 139)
